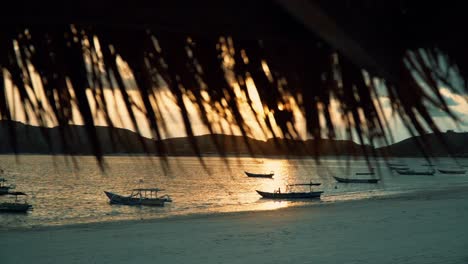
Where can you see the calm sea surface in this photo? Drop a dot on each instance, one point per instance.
(64, 194)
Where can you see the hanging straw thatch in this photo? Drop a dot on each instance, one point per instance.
(306, 50)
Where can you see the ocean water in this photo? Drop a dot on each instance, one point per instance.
(65, 191)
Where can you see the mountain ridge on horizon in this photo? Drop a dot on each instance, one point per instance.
(38, 140)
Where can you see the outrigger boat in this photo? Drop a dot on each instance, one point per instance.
(365, 173)
(277, 194)
(259, 175)
(445, 171)
(394, 166)
(4, 188)
(413, 172)
(15, 206)
(347, 180)
(147, 197)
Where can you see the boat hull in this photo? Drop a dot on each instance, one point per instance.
(259, 175)
(344, 180)
(365, 173)
(398, 168)
(291, 195)
(417, 173)
(127, 200)
(452, 171)
(4, 189)
(14, 207)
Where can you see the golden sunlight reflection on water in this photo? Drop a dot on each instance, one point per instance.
(61, 194)
(280, 178)
(273, 205)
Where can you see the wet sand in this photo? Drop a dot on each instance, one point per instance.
(428, 227)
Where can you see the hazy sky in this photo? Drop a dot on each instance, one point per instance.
(171, 113)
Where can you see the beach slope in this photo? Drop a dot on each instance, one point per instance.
(422, 228)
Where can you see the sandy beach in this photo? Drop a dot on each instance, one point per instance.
(425, 227)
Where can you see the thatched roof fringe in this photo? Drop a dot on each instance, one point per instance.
(310, 71)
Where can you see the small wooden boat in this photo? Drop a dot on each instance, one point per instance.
(259, 175)
(147, 197)
(15, 206)
(347, 180)
(413, 172)
(277, 194)
(365, 173)
(397, 166)
(4, 188)
(445, 171)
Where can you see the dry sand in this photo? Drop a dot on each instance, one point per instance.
(419, 228)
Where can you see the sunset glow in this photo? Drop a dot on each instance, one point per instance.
(253, 111)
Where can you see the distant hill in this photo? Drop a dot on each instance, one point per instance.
(40, 140)
(444, 144)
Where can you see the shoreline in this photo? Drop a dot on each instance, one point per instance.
(242, 155)
(406, 195)
(424, 227)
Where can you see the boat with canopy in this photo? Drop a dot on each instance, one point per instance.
(16, 206)
(289, 194)
(3, 187)
(140, 196)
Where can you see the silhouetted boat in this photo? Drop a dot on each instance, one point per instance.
(277, 194)
(4, 188)
(445, 171)
(15, 206)
(347, 180)
(398, 166)
(413, 172)
(259, 175)
(147, 197)
(365, 173)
